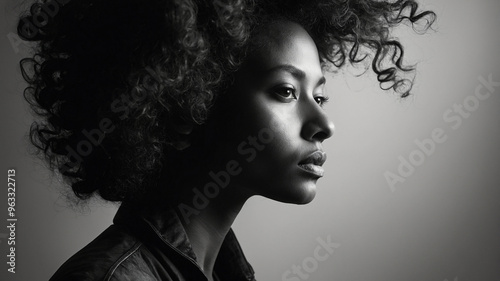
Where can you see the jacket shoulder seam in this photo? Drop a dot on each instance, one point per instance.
(125, 256)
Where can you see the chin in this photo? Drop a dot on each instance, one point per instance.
(307, 198)
(302, 195)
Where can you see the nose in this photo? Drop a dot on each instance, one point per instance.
(317, 126)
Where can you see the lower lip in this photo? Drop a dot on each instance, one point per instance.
(313, 169)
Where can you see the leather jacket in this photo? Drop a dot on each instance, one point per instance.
(150, 244)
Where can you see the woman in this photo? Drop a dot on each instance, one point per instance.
(182, 110)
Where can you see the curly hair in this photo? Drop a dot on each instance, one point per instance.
(122, 86)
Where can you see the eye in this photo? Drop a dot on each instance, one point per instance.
(321, 100)
(285, 92)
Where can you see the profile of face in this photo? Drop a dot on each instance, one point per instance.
(277, 122)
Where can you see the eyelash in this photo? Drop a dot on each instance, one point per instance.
(320, 100)
(279, 92)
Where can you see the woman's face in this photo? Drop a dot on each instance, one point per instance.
(277, 123)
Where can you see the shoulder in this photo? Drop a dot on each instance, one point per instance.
(115, 254)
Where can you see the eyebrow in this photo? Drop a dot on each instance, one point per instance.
(297, 73)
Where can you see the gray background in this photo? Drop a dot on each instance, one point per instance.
(441, 223)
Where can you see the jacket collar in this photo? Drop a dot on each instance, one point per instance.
(162, 219)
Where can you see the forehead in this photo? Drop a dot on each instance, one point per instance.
(285, 43)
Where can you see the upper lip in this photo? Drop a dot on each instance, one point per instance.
(317, 158)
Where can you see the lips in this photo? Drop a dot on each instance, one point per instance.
(313, 163)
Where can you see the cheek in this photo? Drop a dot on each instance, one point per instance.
(270, 159)
(265, 141)
(276, 128)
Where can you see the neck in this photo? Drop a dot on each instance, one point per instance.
(208, 220)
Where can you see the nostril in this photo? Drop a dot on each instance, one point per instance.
(321, 136)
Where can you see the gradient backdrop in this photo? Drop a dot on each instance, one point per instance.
(440, 221)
